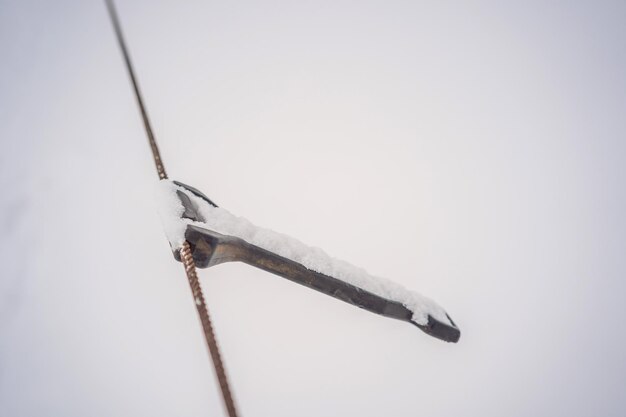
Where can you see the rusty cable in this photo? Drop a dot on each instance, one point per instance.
(203, 312)
(185, 252)
(158, 162)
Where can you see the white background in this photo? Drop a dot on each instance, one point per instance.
(473, 152)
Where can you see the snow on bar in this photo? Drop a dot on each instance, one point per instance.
(315, 259)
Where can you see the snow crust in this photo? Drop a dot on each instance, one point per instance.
(222, 221)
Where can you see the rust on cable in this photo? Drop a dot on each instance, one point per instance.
(185, 253)
(194, 283)
(158, 162)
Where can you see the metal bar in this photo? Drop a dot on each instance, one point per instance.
(210, 248)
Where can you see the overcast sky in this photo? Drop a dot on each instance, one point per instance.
(474, 152)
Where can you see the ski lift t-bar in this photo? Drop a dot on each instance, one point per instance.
(204, 247)
(195, 244)
(210, 248)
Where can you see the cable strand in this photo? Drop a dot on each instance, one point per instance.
(158, 162)
(185, 252)
(194, 283)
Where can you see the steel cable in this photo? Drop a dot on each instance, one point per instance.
(131, 72)
(185, 252)
(205, 319)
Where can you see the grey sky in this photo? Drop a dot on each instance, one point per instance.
(473, 152)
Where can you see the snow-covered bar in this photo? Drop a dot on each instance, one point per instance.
(217, 236)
